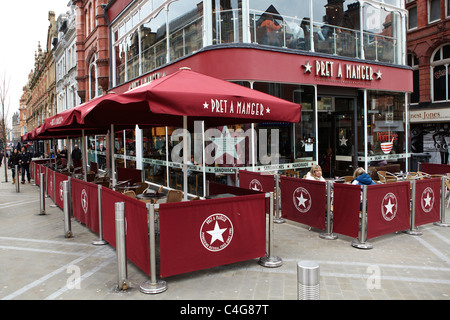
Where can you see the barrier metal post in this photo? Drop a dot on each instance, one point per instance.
(67, 221)
(54, 205)
(16, 167)
(328, 235)
(442, 223)
(99, 241)
(121, 250)
(361, 242)
(414, 231)
(308, 277)
(270, 261)
(42, 193)
(153, 285)
(278, 219)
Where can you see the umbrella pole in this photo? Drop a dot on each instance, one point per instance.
(185, 158)
(84, 157)
(113, 164)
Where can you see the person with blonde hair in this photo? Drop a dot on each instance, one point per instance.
(361, 177)
(315, 173)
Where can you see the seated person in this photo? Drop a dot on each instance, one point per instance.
(315, 174)
(361, 177)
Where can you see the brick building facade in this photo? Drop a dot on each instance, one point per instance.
(428, 42)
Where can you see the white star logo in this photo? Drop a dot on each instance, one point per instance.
(379, 74)
(205, 105)
(216, 233)
(307, 67)
(389, 207)
(427, 200)
(343, 141)
(301, 200)
(267, 110)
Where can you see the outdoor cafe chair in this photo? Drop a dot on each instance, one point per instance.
(386, 177)
(143, 187)
(174, 196)
(130, 193)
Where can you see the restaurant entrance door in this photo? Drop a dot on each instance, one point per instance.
(337, 138)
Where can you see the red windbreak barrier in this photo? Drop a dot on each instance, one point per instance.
(346, 205)
(59, 195)
(203, 234)
(38, 174)
(136, 226)
(434, 168)
(129, 174)
(388, 208)
(32, 169)
(428, 200)
(85, 203)
(219, 188)
(256, 181)
(304, 201)
(51, 184)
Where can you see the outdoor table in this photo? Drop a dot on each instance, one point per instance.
(221, 195)
(151, 195)
(126, 187)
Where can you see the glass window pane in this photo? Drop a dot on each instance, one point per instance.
(439, 83)
(153, 42)
(280, 23)
(435, 10)
(227, 21)
(185, 27)
(412, 18)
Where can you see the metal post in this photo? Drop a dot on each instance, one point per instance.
(236, 177)
(153, 285)
(54, 205)
(121, 246)
(270, 260)
(100, 241)
(442, 223)
(278, 219)
(66, 203)
(308, 277)
(42, 193)
(329, 235)
(413, 229)
(46, 182)
(361, 242)
(17, 178)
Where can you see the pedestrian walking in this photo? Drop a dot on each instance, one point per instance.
(13, 162)
(25, 159)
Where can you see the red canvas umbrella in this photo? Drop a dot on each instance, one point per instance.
(187, 93)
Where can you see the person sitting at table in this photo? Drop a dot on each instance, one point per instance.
(270, 27)
(361, 177)
(315, 173)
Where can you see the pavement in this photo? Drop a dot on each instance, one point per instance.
(39, 263)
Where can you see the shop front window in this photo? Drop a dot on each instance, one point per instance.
(227, 21)
(381, 34)
(280, 23)
(153, 42)
(186, 29)
(386, 130)
(336, 27)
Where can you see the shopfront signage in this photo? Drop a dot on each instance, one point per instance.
(339, 71)
(430, 115)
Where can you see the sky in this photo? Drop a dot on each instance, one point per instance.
(23, 25)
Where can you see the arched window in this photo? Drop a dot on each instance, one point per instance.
(93, 83)
(440, 81)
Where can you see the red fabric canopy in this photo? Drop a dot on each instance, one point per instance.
(187, 93)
